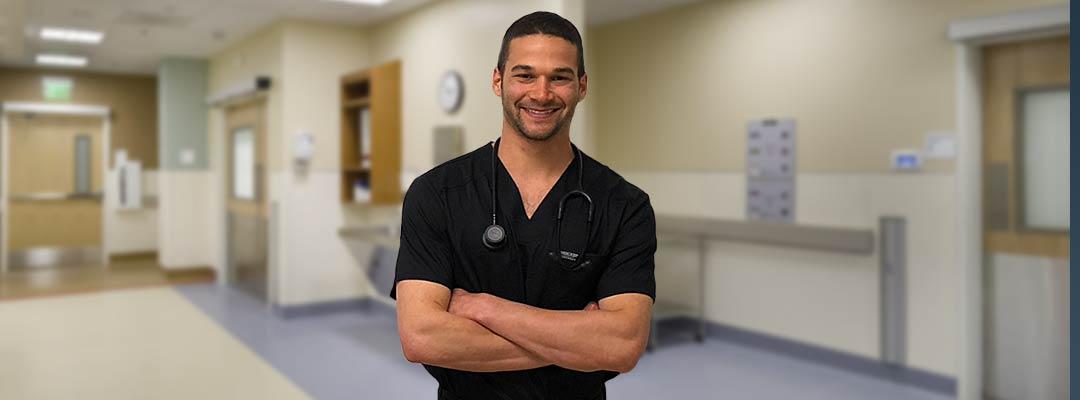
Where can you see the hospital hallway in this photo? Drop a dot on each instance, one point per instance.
(823, 199)
(205, 341)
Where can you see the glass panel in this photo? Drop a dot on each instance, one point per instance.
(1044, 139)
(82, 164)
(243, 168)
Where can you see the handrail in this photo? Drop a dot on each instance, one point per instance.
(834, 239)
(54, 196)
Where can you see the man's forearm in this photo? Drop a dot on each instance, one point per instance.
(578, 340)
(454, 342)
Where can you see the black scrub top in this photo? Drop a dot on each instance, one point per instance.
(445, 213)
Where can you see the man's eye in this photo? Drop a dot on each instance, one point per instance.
(524, 76)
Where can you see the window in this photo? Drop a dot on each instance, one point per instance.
(243, 179)
(1043, 144)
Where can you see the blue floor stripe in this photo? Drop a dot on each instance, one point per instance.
(356, 355)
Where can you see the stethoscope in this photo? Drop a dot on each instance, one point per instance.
(495, 235)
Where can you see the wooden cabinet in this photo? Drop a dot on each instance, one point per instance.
(371, 135)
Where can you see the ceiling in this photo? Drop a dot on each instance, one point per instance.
(139, 33)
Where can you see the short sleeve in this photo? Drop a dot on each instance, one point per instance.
(631, 263)
(424, 251)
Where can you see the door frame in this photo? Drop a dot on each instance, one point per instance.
(8, 108)
(969, 36)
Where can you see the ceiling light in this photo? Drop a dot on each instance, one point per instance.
(61, 60)
(71, 35)
(364, 2)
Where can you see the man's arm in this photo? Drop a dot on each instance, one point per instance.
(431, 335)
(611, 338)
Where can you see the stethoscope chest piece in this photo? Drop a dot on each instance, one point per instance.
(494, 237)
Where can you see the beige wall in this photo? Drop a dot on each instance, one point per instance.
(315, 264)
(132, 99)
(314, 57)
(861, 78)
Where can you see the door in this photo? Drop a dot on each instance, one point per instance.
(246, 204)
(56, 182)
(1026, 219)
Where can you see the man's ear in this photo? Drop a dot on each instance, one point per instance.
(583, 85)
(496, 82)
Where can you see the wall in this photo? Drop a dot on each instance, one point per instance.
(183, 201)
(861, 78)
(864, 76)
(182, 93)
(131, 98)
(315, 263)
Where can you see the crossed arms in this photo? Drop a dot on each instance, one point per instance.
(484, 333)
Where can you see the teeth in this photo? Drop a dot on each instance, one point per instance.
(542, 112)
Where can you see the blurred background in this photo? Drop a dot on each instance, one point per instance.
(855, 199)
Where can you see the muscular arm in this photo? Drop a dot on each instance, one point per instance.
(431, 335)
(611, 338)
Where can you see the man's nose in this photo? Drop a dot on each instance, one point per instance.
(541, 91)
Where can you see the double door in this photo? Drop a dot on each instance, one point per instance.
(55, 191)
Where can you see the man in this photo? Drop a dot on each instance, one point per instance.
(526, 268)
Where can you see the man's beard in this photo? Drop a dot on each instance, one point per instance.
(513, 114)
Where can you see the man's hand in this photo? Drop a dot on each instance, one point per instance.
(469, 305)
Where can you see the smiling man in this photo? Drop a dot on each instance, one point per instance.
(526, 267)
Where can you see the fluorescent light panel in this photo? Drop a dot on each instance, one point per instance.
(364, 2)
(71, 35)
(61, 60)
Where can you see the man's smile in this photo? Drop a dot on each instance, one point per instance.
(539, 113)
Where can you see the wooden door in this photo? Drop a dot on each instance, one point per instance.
(57, 179)
(246, 203)
(1025, 221)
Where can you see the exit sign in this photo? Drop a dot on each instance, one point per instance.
(56, 88)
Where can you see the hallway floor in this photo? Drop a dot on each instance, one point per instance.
(147, 343)
(206, 341)
(123, 272)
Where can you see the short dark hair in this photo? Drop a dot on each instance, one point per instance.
(542, 23)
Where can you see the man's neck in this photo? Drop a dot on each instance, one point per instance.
(535, 160)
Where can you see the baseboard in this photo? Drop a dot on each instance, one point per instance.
(330, 307)
(180, 276)
(820, 355)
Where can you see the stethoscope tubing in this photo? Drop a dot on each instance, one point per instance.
(495, 235)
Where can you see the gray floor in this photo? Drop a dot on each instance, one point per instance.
(356, 355)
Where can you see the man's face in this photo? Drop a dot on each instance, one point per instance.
(539, 86)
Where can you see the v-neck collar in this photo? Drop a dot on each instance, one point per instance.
(542, 210)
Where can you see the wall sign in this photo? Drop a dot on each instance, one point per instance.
(770, 170)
